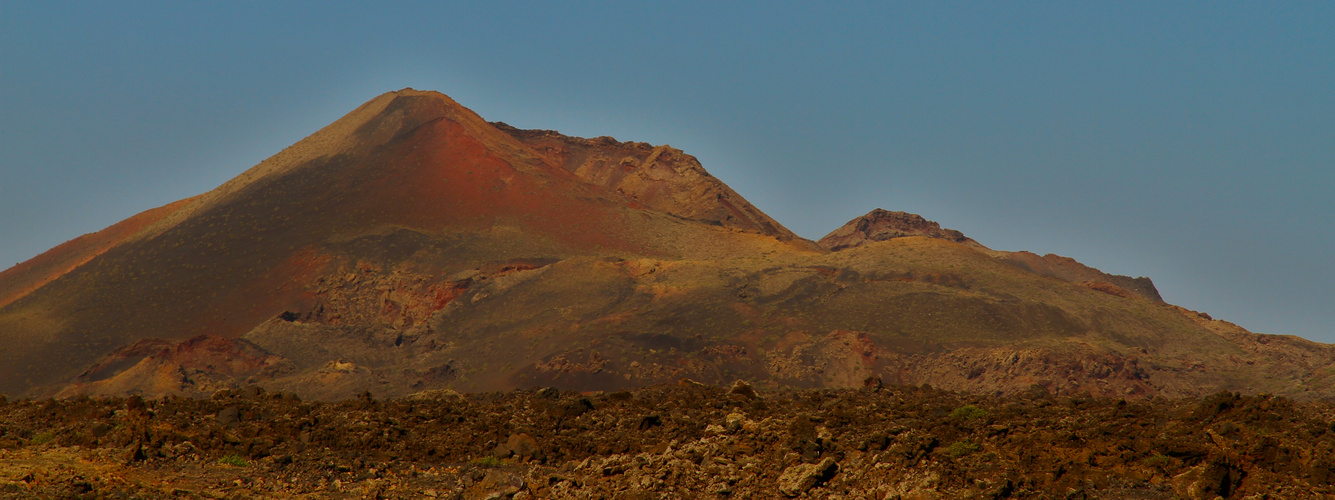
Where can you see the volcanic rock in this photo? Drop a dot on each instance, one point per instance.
(882, 225)
(899, 442)
(799, 478)
(520, 446)
(743, 389)
(197, 367)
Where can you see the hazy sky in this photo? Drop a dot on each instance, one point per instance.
(1190, 142)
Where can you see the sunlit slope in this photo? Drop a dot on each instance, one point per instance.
(411, 246)
(911, 310)
(233, 258)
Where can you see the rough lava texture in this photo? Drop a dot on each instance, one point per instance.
(197, 367)
(412, 246)
(686, 440)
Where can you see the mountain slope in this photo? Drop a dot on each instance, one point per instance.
(411, 245)
(410, 164)
(25, 277)
(660, 177)
(883, 225)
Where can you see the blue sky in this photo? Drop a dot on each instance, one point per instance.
(1192, 142)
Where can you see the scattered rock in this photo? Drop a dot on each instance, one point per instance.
(872, 384)
(576, 408)
(549, 393)
(798, 479)
(648, 422)
(436, 395)
(520, 446)
(741, 388)
(134, 404)
(496, 484)
(898, 442)
(229, 416)
(686, 382)
(734, 422)
(135, 453)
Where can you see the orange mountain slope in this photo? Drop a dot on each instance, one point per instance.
(411, 245)
(231, 258)
(32, 274)
(660, 177)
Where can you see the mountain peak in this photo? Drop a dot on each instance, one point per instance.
(408, 180)
(374, 124)
(881, 225)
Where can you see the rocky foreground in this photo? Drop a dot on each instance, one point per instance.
(683, 441)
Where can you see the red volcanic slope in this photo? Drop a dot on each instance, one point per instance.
(658, 177)
(30, 275)
(223, 262)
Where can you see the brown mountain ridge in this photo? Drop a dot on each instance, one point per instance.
(412, 245)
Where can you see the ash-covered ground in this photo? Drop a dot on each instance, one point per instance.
(682, 441)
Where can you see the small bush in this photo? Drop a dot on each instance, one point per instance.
(234, 461)
(43, 437)
(487, 461)
(961, 448)
(968, 412)
(1158, 461)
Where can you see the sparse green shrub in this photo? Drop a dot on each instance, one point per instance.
(487, 461)
(968, 412)
(961, 448)
(43, 437)
(1157, 460)
(234, 461)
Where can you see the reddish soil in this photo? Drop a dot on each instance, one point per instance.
(656, 177)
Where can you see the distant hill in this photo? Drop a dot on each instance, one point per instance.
(412, 245)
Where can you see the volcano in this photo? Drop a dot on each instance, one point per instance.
(411, 245)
